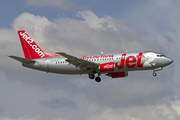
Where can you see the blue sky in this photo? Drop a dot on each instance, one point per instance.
(88, 27)
(118, 9)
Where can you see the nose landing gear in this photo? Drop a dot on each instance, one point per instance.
(154, 74)
(154, 71)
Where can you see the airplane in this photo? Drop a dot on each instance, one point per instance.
(114, 65)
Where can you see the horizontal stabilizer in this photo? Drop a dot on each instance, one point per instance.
(21, 59)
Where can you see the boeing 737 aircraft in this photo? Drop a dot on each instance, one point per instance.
(114, 65)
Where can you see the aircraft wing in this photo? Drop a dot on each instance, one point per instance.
(78, 62)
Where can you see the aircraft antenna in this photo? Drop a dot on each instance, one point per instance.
(101, 52)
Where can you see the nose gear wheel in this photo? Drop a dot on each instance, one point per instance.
(154, 74)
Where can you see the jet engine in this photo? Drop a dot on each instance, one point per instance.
(117, 74)
(108, 67)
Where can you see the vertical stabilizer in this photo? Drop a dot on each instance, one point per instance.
(30, 48)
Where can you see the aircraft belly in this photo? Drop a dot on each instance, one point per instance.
(145, 67)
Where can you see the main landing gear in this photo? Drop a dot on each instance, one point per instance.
(91, 76)
(97, 79)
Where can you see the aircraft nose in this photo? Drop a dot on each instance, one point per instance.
(169, 60)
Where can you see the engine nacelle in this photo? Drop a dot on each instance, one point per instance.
(108, 67)
(118, 74)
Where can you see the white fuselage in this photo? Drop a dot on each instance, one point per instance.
(129, 61)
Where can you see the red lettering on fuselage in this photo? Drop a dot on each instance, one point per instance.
(122, 62)
(139, 60)
(96, 57)
(130, 61)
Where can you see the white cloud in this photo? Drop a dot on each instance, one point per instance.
(68, 34)
(18, 97)
(60, 4)
(59, 103)
(95, 22)
(35, 25)
(161, 111)
(59, 119)
(30, 21)
(109, 114)
(26, 117)
(161, 18)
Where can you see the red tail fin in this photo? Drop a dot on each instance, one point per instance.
(30, 48)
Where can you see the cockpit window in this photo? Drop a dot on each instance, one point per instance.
(161, 55)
